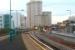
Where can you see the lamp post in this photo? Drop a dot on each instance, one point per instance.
(70, 27)
(10, 14)
(69, 12)
(25, 22)
(10, 7)
(10, 33)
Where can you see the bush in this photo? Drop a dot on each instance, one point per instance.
(4, 31)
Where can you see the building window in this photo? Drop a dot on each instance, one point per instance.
(0, 16)
(0, 20)
(0, 24)
(72, 21)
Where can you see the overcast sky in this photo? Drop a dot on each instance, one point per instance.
(58, 7)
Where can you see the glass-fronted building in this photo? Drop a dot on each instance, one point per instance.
(1, 22)
(7, 21)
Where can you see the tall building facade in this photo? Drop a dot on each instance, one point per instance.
(34, 12)
(22, 22)
(7, 21)
(46, 18)
(18, 20)
(1, 22)
(71, 24)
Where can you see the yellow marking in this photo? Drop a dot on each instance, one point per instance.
(38, 44)
(43, 44)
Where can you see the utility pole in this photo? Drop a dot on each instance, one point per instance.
(69, 12)
(10, 14)
(70, 16)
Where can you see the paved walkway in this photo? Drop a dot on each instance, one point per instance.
(16, 44)
(30, 43)
(3, 37)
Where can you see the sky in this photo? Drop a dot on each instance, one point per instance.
(57, 7)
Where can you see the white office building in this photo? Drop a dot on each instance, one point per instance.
(22, 22)
(46, 18)
(71, 26)
(18, 21)
(34, 12)
(72, 18)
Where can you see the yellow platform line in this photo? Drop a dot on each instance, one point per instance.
(38, 44)
(43, 44)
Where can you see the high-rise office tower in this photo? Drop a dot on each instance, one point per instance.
(46, 18)
(34, 12)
